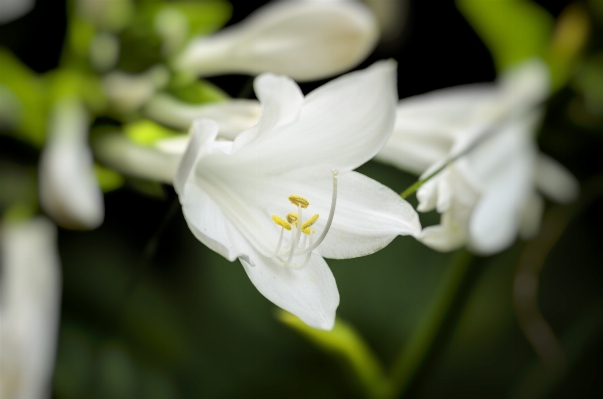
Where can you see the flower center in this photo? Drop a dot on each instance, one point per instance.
(307, 245)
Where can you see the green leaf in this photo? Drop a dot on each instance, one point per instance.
(31, 92)
(347, 344)
(513, 30)
(108, 179)
(196, 91)
(68, 82)
(146, 132)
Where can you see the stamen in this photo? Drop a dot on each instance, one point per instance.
(281, 222)
(312, 247)
(308, 256)
(309, 222)
(291, 218)
(299, 201)
(280, 242)
(297, 234)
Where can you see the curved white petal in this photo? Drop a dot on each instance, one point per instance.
(495, 220)
(451, 233)
(342, 125)
(158, 162)
(69, 192)
(30, 294)
(309, 293)
(525, 85)
(368, 215)
(233, 116)
(554, 181)
(306, 41)
(203, 134)
(281, 100)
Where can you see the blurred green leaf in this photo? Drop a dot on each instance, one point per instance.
(67, 82)
(146, 187)
(155, 24)
(570, 37)
(31, 92)
(589, 81)
(513, 30)
(108, 179)
(147, 132)
(196, 91)
(344, 342)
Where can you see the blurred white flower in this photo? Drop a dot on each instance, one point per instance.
(232, 116)
(487, 196)
(240, 198)
(30, 295)
(158, 161)
(128, 92)
(304, 40)
(13, 9)
(69, 192)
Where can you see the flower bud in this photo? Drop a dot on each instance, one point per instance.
(232, 116)
(304, 40)
(69, 192)
(29, 315)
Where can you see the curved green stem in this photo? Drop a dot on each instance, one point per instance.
(413, 355)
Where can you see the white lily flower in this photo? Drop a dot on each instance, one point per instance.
(232, 116)
(69, 192)
(304, 40)
(243, 199)
(487, 196)
(30, 296)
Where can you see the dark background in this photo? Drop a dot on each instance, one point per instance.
(149, 312)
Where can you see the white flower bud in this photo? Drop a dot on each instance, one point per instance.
(304, 40)
(233, 116)
(30, 296)
(69, 192)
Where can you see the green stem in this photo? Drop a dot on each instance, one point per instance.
(412, 189)
(413, 355)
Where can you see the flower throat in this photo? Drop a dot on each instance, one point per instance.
(293, 223)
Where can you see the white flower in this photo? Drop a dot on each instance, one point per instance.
(69, 192)
(487, 196)
(30, 293)
(232, 116)
(242, 199)
(158, 161)
(304, 40)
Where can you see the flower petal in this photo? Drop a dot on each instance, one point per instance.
(426, 125)
(368, 215)
(554, 181)
(233, 116)
(304, 40)
(203, 134)
(309, 293)
(281, 100)
(495, 220)
(69, 192)
(351, 117)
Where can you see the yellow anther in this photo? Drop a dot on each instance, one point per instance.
(310, 222)
(281, 222)
(299, 201)
(292, 217)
